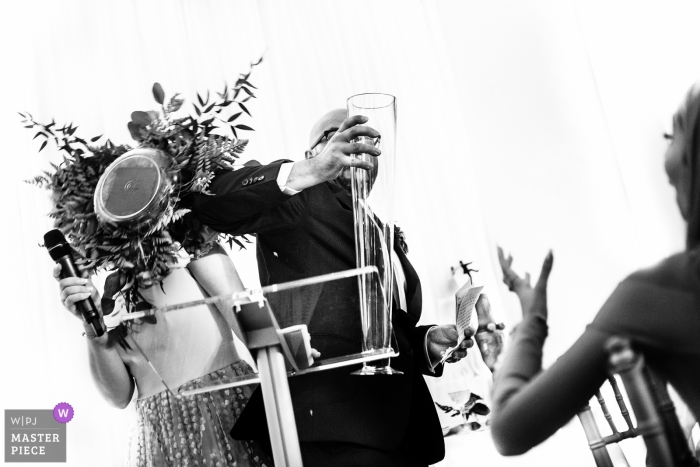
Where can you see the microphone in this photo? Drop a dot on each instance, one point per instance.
(62, 254)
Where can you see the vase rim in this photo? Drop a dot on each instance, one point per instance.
(392, 100)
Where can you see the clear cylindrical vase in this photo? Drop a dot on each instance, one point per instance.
(373, 206)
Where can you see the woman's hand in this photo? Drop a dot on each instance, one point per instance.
(532, 301)
(106, 366)
(489, 335)
(75, 289)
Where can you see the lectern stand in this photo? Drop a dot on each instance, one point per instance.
(279, 354)
(273, 350)
(270, 348)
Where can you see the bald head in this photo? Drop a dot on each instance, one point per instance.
(330, 121)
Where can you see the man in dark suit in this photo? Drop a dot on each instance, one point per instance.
(302, 215)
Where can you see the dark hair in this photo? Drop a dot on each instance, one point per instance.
(691, 116)
(689, 113)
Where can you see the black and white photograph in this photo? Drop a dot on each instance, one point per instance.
(324, 233)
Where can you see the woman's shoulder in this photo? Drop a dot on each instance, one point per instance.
(680, 272)
(673, 281)
(657, 305)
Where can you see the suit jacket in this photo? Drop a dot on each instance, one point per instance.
(306, 235)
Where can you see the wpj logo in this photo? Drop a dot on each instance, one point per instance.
(22, 421)
(36, 435)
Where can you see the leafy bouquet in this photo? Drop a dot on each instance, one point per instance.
(201, 146)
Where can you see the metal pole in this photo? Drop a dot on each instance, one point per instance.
(278, 407)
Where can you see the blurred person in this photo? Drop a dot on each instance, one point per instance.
(189, 348)
(302, 215)
(657, 308)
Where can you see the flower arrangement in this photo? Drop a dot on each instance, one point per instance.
(200, 145)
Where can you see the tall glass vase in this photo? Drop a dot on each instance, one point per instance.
(373, 206)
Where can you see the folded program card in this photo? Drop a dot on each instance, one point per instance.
(465, 299)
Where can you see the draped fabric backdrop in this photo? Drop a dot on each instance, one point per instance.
(532, 125)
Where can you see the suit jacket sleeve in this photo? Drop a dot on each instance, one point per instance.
(411, 341)
(416, 337)
(248, 200)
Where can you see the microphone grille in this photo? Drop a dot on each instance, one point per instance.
(56, 243)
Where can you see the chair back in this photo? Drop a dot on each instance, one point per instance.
(654, 411)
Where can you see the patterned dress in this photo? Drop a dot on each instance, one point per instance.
(182, 350)
(194, 430)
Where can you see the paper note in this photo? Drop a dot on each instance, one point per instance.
(465, 299)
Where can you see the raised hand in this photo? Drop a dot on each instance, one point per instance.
(336, 155)
(532, 300)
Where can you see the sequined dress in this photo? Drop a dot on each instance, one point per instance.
(188, 349)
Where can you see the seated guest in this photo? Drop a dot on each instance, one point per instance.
(657, 308)
(302, 215)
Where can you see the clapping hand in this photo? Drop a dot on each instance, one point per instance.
(532, 300)
(489, 337)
